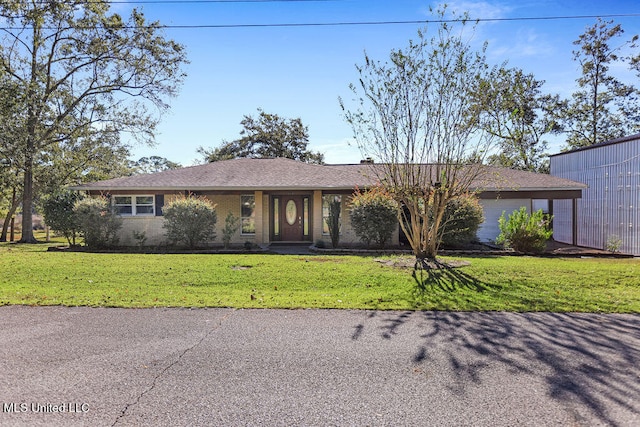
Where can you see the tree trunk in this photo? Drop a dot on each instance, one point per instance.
(27, 205)
(10, 214)
(32, 119)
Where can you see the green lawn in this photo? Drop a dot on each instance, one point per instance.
(33, 276)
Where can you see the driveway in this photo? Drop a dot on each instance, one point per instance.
(124, 367)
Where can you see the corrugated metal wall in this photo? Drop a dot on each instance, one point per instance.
(610, 207)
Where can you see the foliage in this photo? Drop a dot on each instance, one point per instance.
(415, 115)
(140, 237)
(152, 164)
(81, 77)
(10, 157)
(268, 136)
(374, 216)
(190, 221)
(461, 220)
(33, 276)
(97, 222)
(59, 215)
(603, 107)
(614, 243)
(231, 226)
(514, 109)
(333, 221)
(523, 232)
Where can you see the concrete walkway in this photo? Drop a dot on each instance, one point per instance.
(293, 249)
(223, 367)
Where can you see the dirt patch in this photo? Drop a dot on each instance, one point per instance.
(410, 263)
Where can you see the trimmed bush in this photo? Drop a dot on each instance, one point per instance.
(58, 214)
(462, 218)
(190, 221)
(97, 222)
(333, 222)
(523, 232)
(374, 216)
(231, 225)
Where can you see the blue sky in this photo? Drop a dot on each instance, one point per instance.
(301, 71)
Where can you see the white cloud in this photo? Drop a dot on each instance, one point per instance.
(479, 10)
(525, 42)
(337, 151)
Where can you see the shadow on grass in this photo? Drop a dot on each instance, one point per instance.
(436, 275)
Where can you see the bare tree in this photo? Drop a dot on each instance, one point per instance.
(416, 117)
(85, 76)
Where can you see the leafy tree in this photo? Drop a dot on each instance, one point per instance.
(58, 210)
(97, 222)
(267, 136)
(374, 216)
(523, 232)
(603, 107)
(514, 109)
(415, 116)
(190, 221)
(83, 76)
(9, 196)
(10, 172)
(152, 164)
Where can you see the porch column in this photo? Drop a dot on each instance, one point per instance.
(317, 215)
(258, 217)
(574, 221)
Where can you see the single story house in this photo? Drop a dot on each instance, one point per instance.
(283, 200)
(608, 214)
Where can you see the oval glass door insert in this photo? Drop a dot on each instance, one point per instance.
(291, 212)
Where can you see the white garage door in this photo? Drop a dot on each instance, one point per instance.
(489, 230)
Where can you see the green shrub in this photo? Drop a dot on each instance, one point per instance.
(461, 220)
(190, 221)
(333, 222)
(231, 225)
(140, 237)
(97, 222)
(58, 214)
(613, 244)
(374, 216)
(523, 232)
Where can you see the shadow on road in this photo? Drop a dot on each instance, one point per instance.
(586, 360)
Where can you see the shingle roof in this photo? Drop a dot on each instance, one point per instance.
(287, 174)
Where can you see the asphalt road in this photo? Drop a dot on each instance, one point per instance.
(118, 367)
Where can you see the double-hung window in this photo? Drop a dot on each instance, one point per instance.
(134, 205)
(248, 214)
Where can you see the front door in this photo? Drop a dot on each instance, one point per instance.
(293, 218)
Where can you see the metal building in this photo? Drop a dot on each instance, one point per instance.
(608, 215)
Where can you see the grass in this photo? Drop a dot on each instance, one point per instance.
(33, 276)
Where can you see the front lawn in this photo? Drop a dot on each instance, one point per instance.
(33, 276)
